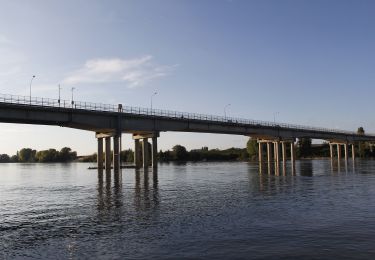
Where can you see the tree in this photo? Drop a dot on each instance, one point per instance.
(252, 148)
(26, 155)
(179, 153)
(4, 158)
(127, 155)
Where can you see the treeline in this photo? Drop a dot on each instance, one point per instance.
(51, 155)
(179, 153)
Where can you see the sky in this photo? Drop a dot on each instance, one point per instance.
(293, 61)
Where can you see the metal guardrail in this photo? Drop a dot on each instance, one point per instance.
(48, 102)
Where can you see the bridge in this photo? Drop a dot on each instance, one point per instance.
(109, 122)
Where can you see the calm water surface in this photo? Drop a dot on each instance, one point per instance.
(188, 211)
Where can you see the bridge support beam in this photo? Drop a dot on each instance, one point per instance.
(269, 152)
(137, 154)
(108, 153)
(293, 156)
(154, 152)
(146, 162)
(100, 154)
(338, 152)
(346, 152)
(116, 152)
(353, 152)
(260, 152)
(145, 149)
(331, 151)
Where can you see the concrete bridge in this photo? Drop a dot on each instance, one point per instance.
(111, 121)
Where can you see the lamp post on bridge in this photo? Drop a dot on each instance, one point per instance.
(154, 94)
(225, 110)
(73, 96)
(59, 101)
(31, 82)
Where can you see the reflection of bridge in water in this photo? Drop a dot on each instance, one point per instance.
(109, 122)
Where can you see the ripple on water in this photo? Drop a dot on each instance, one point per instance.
(193, 210)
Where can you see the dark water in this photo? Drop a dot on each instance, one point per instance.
(189, 211)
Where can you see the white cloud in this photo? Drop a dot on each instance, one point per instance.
(135, 72)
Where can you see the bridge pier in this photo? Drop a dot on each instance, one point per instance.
(276, 152)
(108, 160)
(154, 152)
(346, 150)
(145, 150)
(116, 153)
(100, 154)
(260, 152)
(293, 156)
(137, 154)
(353, 152)
(146, 162)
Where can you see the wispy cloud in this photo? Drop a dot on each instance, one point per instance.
(135, 72)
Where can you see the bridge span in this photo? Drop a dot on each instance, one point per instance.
(111, 121)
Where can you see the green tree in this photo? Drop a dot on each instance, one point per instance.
(127, 155)
(179, 153)
(4, 158)
(26, 155)
(252, 148)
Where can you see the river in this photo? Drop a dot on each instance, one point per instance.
(188, 211)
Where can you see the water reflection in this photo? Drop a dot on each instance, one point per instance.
(146, 197)
(277, 169)
(109, 197)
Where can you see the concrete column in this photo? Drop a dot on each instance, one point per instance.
(269, 152)
(137, 154)
(338, 152)
(331, 151)
(274, 152)
(116, 153)
(145, 153)
(100, 154)
(260, 152)
(108, 153)
(277, 153)
(353, 152)
(284, 152)
(346, 152)
(154, 152)
(293, 157)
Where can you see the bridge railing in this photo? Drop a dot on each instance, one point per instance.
(48, 102)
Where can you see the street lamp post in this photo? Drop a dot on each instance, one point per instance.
(154, 94)
(225, 110)
(31, 82)
(59, 101)
(73, 96)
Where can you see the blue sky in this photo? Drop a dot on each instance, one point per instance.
(307, 62)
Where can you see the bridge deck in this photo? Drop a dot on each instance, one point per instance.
(106, 117)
